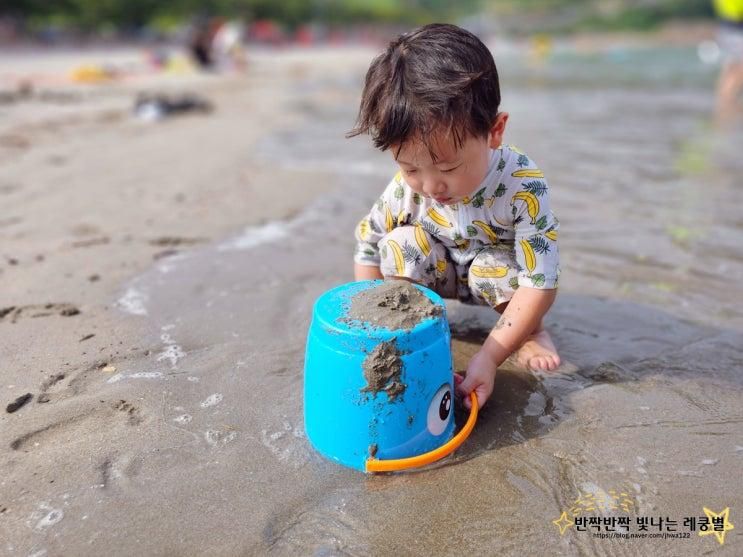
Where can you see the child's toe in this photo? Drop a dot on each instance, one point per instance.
(538, 363)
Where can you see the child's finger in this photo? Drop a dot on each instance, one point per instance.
(482, 396)
(480, 401)
(464, 389)
(467, 403)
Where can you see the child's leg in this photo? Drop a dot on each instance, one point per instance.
(493, 279)
(729, 86)
(411, 253)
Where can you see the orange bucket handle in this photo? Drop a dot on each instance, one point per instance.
(392, 465)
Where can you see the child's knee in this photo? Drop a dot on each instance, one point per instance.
(493, 276)
(410, 252)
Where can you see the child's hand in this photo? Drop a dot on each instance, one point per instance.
(480, 377)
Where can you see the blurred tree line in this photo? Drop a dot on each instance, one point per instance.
(91, 15)
(575, 15)
(94, 15)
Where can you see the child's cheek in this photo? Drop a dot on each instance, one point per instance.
(414, 184)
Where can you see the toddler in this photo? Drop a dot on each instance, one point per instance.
(466, 215)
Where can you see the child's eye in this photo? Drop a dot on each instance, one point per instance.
(409, 171)
(451, 169)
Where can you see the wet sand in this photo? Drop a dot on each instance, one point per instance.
(177, 428)
(392, 305)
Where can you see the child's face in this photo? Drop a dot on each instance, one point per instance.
(456, 173)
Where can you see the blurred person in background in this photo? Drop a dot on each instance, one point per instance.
(200, 43)
(730, 38)
(217, 44)
(227, 46)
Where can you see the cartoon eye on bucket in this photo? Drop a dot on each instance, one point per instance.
(439, 411)
(440, 402)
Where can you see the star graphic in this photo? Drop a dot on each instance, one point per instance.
(563, 523)
(726, 524)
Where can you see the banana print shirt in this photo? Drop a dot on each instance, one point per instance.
(510, 206)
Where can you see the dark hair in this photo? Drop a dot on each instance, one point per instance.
(436, 77)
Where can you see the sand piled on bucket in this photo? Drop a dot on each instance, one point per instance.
(395, 304)
(382, 370)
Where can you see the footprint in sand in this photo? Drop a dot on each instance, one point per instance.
(90, 242)
(286, 445)
(172, 241)
(49, 384)
(45, 517)
(219, 437)
(13, 313)
(77, 426)
(317, 525)
(133, 414)
(212, 400)
(118, 470)
(59, 386)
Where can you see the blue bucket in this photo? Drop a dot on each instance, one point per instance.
(345, 420)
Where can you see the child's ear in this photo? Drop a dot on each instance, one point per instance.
(495, 136)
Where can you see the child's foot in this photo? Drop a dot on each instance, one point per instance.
(538, 353)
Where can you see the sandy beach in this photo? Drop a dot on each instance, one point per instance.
(157, 282)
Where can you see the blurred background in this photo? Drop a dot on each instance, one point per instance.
(619, 101)
(93, 42)
(335, 20)
(560, 40)
(159, 126)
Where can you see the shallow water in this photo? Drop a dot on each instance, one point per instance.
(648, 315)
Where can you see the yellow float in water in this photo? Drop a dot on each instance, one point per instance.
(91, 73)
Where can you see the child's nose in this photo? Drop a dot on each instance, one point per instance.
(434, 187)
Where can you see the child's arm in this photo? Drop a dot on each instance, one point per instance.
(537, 257)
(520, 318)
(366, 272)
(380, 220)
